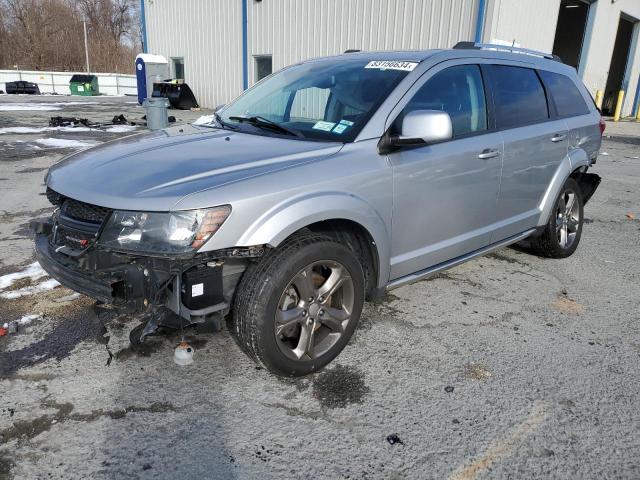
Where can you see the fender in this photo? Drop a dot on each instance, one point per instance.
(284, 219)
(575, 158)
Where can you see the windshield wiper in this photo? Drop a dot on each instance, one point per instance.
(262, 122)
(224, 124)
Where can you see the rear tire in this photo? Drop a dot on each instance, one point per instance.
(562, 233)
(296, 309)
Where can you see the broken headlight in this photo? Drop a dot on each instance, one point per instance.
(152, 232)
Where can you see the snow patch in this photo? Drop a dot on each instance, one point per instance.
(203, 120)
(42, 106)
(33, 271)
(44, 129)
(30, 290)
(64, 143)
(121, 128)
(110, 129)
(27, 319)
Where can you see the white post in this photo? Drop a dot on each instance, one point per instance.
(86, 48)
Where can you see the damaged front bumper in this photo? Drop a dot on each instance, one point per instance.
(194, 287)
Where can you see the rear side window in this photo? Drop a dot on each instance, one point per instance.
(565, 94)
(518, 96)
(459, 92)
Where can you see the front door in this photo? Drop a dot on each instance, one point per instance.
(445, 194)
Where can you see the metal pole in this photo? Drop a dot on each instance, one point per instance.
(618, 110)
(86, 47)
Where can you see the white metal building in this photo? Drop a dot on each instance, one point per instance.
(221, 47)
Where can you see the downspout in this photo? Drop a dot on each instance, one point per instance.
(480, 20)
(144, 27)
(245, 47)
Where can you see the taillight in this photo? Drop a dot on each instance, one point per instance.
(602, 125)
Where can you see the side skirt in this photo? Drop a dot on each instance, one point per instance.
(428, 272)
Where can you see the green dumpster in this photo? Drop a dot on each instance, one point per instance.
(85, 85)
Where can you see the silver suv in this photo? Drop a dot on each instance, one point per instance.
(328, 182)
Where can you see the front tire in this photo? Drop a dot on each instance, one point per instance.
(562, 233)
(297, 308)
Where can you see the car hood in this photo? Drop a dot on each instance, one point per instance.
(153, 171)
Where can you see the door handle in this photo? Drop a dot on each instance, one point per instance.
(558, 137)
(486, 153)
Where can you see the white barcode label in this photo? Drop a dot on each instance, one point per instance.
(392, 65)
(197, 289)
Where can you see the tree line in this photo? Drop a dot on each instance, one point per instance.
(48, 35)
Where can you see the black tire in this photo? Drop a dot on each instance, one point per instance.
(260, 293)
(548, 244)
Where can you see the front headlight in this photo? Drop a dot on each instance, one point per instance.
(173, 232)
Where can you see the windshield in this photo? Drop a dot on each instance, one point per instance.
(319, 100)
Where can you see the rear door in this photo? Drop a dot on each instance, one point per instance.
(569, 103)
(534, 145)
(445, 194)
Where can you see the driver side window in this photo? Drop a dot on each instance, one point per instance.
(458, 91)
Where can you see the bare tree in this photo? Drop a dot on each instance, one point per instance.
(48, 34)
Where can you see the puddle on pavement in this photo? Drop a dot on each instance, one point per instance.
(81, 325)
(28, 429)
(339, 387)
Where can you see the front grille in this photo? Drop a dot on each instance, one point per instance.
(77, 210)
(84, 212)
(74, 239)
(54, 197)
(77, 223)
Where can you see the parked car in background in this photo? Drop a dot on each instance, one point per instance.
(22, 87)
(328, 182)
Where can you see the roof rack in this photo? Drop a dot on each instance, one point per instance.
(505, 48)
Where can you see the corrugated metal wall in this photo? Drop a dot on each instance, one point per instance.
(208, 33)
(294, 30)
(531, 24)
(599, 49)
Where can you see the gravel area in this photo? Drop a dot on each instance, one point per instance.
(509, 366)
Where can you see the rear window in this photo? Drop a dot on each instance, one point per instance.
(565, 94)
(518, 95)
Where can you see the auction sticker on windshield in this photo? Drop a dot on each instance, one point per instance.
(392, 65)
(326, 126)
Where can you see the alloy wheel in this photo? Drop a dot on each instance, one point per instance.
(567, 218)
(314, 310)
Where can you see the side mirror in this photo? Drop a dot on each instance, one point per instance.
(219, 107)
(424, 126)
(419, 127)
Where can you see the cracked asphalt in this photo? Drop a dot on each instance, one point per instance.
(509, 366)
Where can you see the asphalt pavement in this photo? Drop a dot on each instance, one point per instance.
(509, 366)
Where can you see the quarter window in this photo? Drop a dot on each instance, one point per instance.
(565, 94)
(459, 92)
(518, 96)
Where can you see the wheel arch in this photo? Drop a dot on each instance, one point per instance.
(338, 214)
(359, 240)
(575, 162)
